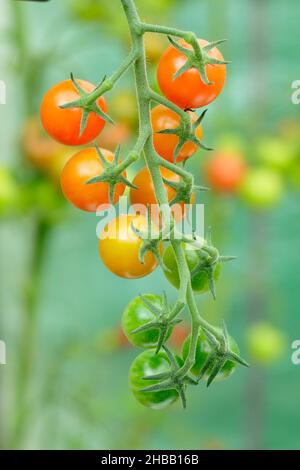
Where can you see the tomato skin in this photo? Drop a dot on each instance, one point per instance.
(199, 281)
(119, 248)
(145, 195)
(262, 188)
(225, 172)
(64, 124)
(146, 364)
(265, 343)
(80, 168)
(135, 315)
(188, 90)
(203, 350)
(165, 144)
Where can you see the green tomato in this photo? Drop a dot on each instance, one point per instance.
(200, 283)
(146, 364)
(262, 188)
(137, 314)
(276, 153)
(265, 343)
(8, 191)
(203, 350)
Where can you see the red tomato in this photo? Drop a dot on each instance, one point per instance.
(83, 166)
(225, 171)
(64, 124)
(145, 195)
(188, 90)
(165, 144)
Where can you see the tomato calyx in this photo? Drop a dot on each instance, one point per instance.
(209, 258)
(198, 57)
(171, 380)
(220, 355)
(184, 191)
(186, 132)
(151, 241)
(88, 103)
(166, 317)
(112, 173)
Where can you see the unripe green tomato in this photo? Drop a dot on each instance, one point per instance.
(265, 343)
(262, 188)
(200, 283)
(137, 314)
(146, 364)
(275, 153)
(8, 191)
(203, 350)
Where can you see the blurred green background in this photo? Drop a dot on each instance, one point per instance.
(65, 382)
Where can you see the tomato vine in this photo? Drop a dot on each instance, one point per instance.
(201, 62)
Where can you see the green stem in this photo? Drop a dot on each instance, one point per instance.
(154, 96)
(154, 28)
(179, 170)
(145, 95)
(109, 83)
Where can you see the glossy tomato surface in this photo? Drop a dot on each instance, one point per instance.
(79, 169)
(203, 350)
(200, 283)
(165, 144)
(64, 124)
(147, 364)
(137, 314)
(188, 90)
(119, 247)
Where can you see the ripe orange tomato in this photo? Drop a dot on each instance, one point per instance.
(80, 168)
(225, 171)
(145, 194)
(165, 144)
(64, 124)
(119, 247)
(188, 90)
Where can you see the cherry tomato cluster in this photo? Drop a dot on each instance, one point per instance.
(74, 112)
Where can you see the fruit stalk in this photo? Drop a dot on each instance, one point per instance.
(145, 95)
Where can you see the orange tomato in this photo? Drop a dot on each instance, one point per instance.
(225, 172)
(165, 144)
(145, 194)
(64, 124)
(83, 166)
(188, 90)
